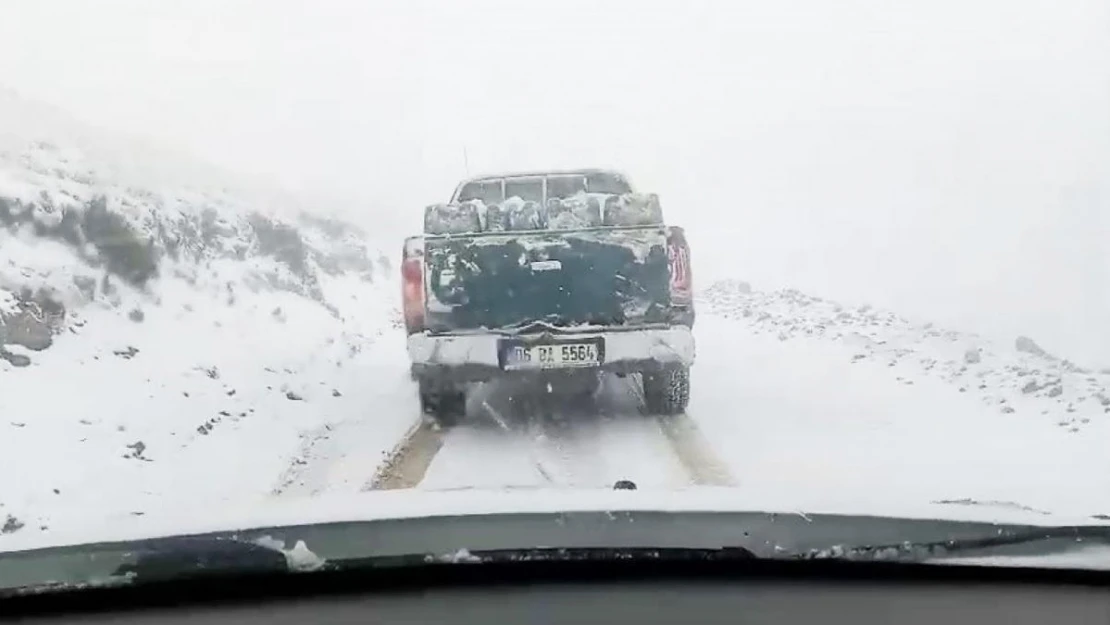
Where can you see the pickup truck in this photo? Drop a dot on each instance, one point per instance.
(548, 278)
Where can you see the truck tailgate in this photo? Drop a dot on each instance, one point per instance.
(612, 276)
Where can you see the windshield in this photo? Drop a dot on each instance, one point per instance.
(268, 262)
(488, 191)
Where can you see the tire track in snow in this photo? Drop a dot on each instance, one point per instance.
(408, 462)
(293, 477)
(334, 457)
(485, 433)
(694, 451)
(361, 435)
(689, 445)
(553, 442)
(597, 443)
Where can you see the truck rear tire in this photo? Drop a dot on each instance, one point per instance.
(667, 392)
(446, 405)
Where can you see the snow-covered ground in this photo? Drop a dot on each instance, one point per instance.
(798, 419)
(812, 401)
(168, 339)
(801, 411)
(171, 348)
(811, 397)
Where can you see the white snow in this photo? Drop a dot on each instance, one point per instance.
(802, 424)
(243, 387)
(7, 302)
(213, 381)
(808, 396)
(208, 396)
(806, 400)
(456, 557)
(299, 557)
(568, 449)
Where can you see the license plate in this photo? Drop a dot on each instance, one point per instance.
(552, 355)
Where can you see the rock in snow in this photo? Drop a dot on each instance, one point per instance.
(1027, 345)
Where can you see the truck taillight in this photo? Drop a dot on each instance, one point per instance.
(412, 288)
(682, 274)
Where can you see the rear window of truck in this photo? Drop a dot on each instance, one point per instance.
(530, 189)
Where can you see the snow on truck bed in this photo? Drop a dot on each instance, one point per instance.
(584, 210)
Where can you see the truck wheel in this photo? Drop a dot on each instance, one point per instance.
(445, 404)
(668, 391)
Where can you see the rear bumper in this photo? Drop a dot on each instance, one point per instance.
(473, 358)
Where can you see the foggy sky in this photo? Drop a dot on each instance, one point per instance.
(949, 159)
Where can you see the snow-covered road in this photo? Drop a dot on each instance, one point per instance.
(557, 442)
(792, 401)
(566, 443)
(817, 402)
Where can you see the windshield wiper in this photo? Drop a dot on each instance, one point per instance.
(547, 554)
(191, 557)
(180, 557)
(1046, 540)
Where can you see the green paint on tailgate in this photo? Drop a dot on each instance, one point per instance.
(611, 277)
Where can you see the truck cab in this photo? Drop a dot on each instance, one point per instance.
(541, 186)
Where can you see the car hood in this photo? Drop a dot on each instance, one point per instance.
(191, 517)
(417, 526)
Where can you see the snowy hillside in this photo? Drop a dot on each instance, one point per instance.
(817, 401)
(1021, 377)
(147, 305)
(87, 220)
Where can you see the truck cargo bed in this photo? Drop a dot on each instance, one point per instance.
(590, 277)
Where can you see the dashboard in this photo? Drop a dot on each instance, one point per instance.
(586, 592)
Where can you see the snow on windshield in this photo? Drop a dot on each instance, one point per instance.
(841, 258)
